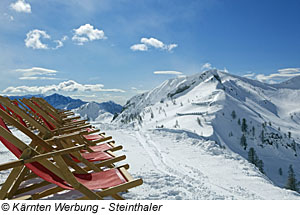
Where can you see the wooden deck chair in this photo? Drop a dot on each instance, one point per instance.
(92, 159)
(60, 130)
(49, 115)
(43, 102)
(100, 143)
(51, 111)
(52, 168)
(50, 123)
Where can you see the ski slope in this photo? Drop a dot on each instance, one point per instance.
(176, 164)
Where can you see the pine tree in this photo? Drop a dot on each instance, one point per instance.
(252, 157)
(244, 125)
(243, 142)
(289, 134)
(262, 136)
(239, 121)
(292, 181)
(260, 165)
(253, 131)
(233, 114)
(280, 171)
(293, 145)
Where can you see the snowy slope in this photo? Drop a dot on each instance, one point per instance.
(92, 111)
(175, 164)
(98, 111)
(204, 103)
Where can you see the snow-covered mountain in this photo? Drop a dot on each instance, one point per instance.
(258, 121)
(94, 111)
(63, 102)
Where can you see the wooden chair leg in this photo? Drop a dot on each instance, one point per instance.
(9, 181)
(17, 183)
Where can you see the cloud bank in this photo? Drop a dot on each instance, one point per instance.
(281, 75)
(167, 73)
(37, 73)
(65, 86)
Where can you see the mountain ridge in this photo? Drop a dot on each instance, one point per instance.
(243, 115)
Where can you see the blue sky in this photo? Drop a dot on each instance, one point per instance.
(113, 49)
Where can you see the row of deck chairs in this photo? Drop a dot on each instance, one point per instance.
(64, 152)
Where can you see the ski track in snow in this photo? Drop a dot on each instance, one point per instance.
(181, 179)
(172, 168)
(174, 165)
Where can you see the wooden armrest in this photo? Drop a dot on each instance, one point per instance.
(36, 158)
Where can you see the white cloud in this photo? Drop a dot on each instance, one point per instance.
(249, 75)
(167, 73)
(9, 17)
(37, 78)
(153, 42)
(33, 39)
(37, 73)
(87, 33)
(139, 47)
(59, 44)
(289, 70)
(206, 66)
(65, 86)
(281, 75)
(21, 6)
(146, 43)
(171, 46)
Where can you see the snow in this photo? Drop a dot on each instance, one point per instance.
(175, 164)
(93, 112)
(182, 140)
(203, 103)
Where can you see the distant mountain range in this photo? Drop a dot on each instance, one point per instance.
(90, 110)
